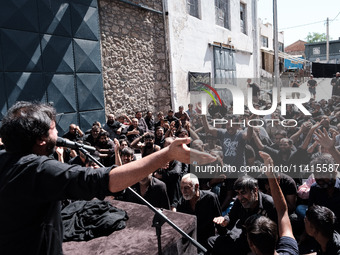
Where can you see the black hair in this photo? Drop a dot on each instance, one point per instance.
(281, 132)
(322, 218)
(246, 182)
(127, 151)
(24, 123)
(262, 233)
(149, 135)
(124, 140)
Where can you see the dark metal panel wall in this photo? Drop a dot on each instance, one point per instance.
(50, 52)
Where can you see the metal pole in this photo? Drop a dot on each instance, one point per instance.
(255, 40)
(327, 40)
(276, 47)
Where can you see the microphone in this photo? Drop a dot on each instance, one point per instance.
(73, 145)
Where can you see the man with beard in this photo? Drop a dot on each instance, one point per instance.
(31, 180)
(92, 137)
(159, 136)
(106, 148)
(202, 203)
(326, 189)
(134, 131)
(141, 122)
(150, 122)
(148, 146)
(282, 155)
(113, 127)
(249, 201)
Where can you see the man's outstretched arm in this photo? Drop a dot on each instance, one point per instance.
(126, 175)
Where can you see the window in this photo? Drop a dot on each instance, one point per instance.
(316, 51)
(192, 7)
(222, 13)
(281, 48)
(224, 64)
(264, 41)
(243, 18)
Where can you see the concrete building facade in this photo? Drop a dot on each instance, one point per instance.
(214, 39)
(267, 49)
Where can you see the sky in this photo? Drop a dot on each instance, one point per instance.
(299, 17)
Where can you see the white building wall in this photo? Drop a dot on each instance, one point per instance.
(189, 39)
(267, 31)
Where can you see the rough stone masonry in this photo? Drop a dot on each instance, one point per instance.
(135, 66)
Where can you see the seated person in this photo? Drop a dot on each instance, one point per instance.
(202, 203)
(262, 232)
(134, 131)
(287, 185)
(249, 201)
(152, 190)
(320, 224)
(91, 138)
(326, 189)
(146, 144)
(105, 147)
(113, 127)
(171, 174)
(74, 133)
(159, 136)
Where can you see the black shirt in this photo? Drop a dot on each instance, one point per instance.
(206, 209)
(155, 195)
(31, 190)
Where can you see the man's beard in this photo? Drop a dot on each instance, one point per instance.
(189, 197)
(250, 202)
(110, 122)
(148, 145)
(50, 146)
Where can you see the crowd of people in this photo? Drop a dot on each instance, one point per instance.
(306, 143)
(235, 212)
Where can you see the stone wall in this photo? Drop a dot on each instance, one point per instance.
(134, 57)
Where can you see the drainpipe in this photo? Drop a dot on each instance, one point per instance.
(170, 74)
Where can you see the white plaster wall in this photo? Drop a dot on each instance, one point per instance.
(189, 39)
(267, 31)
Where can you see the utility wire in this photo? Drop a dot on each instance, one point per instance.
(335, 16)
(303, 25)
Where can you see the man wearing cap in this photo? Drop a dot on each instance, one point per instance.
(311, 83)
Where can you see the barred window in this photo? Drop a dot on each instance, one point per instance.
(243, 18)
(264, 41)
(192, 7)
(224, 66)
(222, 13)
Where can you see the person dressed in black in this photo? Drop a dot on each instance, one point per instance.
(35, 183)
(74, 133)
(202, 203)
(262, 232)
(311, 83)
(145, 143)
(249, 201)
(152, 190)
(320, 224)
